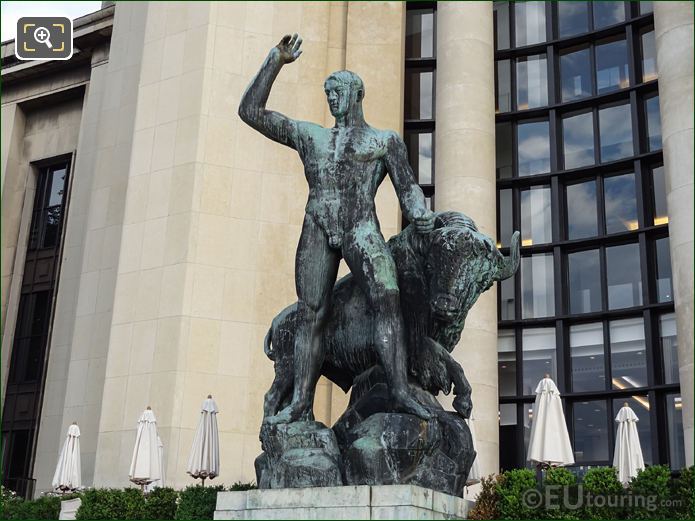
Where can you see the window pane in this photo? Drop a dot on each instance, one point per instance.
(628, 353)
(578, 140)
(646, 7)
(505, 217)
(608, 13)
(535, 216)
(621, 203)
(575, 72)
(419, 32)
(533, 148)
(506, 362)
(506, 289)
(538, 346)
(611, 66)
(420, 155)
(581, 210)
(504, 86)
(531, 82)
(648, 56)
(52, 217)
(676, 446)
(501, 22)
(659, 191)
(624, 276)
(503, 150)
(653, 123)
(669, 347)
(573, 18)
(640, 405)
(529, 20)
(590, 431)
(585, 281)
(418, 88)
(615, 128)
(664, 284)
(586, 348)
(55, 195)
(537, 286)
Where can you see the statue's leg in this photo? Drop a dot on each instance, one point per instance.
(316, 268)
(370, 262)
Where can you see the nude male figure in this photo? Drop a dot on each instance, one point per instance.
(344, 165)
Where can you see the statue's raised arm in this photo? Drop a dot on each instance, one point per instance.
(252, 111)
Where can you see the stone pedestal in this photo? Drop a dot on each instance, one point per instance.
(359, 502)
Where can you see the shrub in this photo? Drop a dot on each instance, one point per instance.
(558, 484)
(105, 504)
(559, 476)
(197, 502)
(603, 481)
(47, 507)
(651, 488)
(238, 485)
(486, 501)
(682, 489)
(511, 488)
(161, 504)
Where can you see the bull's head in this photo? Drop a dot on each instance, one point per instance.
(462, 263)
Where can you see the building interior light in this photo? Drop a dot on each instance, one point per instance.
(631, 225)
(527, 242)
(660, 219)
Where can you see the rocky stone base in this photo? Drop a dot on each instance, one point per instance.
(349, 502)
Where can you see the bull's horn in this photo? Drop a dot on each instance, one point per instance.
(507, 266)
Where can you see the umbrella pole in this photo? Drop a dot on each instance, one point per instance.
(203, 480)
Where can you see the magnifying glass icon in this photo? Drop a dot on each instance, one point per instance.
(42, 35)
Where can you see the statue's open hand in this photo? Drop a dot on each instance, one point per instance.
(424, 221)
(289, 48)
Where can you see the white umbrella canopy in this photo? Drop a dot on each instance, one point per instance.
(628, 451)
(474, 473)
(549, 442)
(159, 482)
(145, 467)
(204, 461)
(68, 474)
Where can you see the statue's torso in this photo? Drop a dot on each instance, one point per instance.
(344, 167)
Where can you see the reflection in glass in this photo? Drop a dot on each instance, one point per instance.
(504, 86)
(646, 7)
(581, 210)
(659, 191)
(586, 348)
(537, 286)
(653, 123)
(669, 347)
(538, 348)
(420, 155)
(676, 445)
(531, 82)
(529, 22)
(535, 216)
(590, 431)
(505, 216)
(575, 72)
(648, 56)
(578, 140)
(628, 353)
(506, 362)
(507, 414)
(507, 435)
(608, 13)
(640, 405)
(621, 203)
(419, 100)
(51, 226)
(419, 33)
(573, 18)
(585, 281)
(533, 148)
(624, 276)
(506, 289)
(503, 150)
(611, 66)
(55, 195)
(664, 284)
(501, 23)
(615, 129)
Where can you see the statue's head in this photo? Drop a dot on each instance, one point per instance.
(344, 92)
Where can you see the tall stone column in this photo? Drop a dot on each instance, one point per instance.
(465, 181)
(673, 24)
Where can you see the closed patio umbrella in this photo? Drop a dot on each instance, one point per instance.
(159, 482)
(68, 474)
(549, 444)
(474, 473)
(145, 467)
(204, 461)
(628, 451)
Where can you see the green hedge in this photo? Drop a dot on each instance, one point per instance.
(47, 507)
